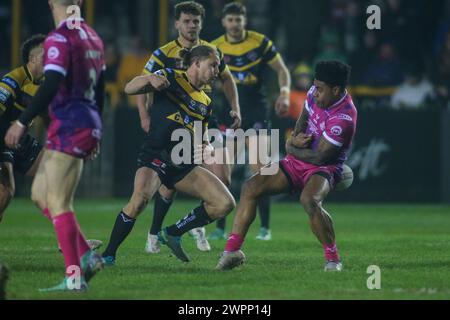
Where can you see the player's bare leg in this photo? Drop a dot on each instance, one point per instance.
(263, 202)
(146, 184)
(222, 171)
(62, 174)
(217, 202)
(255, 187)
(7, 186)
(312, 197)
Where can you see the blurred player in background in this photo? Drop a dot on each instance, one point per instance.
(247, 53)
(179, 101)
(316, 154)
(17, 88)
(189, 17)
(74, 89)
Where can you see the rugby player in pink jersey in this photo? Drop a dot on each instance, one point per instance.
(74, 91)
(316, 154)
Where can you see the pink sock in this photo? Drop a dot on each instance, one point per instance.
(234, 243)
(66, 228)
(83, 246)
(46, 213)
(331, 252)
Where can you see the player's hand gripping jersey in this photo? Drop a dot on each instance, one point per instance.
(336, 124)
(78, 54)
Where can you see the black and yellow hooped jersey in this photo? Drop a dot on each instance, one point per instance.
(168, 56)
(246, 60)
(177, 107)
(17, 89)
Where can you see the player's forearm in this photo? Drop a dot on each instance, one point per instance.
(231, 92)
(284, 81)
(139, 85)
(302, 123)
(100, 93)
(143, 105)
(45, 94)
(306, 155)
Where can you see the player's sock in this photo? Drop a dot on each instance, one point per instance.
(66, 228)
(46, 213)
(197, 218)
(83, 246)
(221, 223)
(160, 210)
(234, 243)
(263, 204)
(122, 228)
(331, 252)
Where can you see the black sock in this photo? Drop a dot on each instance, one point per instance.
(122, 228)
(197, 218)
(221, 223)
(160, 210)
(264, 211)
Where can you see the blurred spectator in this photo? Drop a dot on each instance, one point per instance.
(132, 64)
(366, 54)
(302, 83)
(330, 48)
(386, 70)
(415, 92)
(441, 73)
(112, 60)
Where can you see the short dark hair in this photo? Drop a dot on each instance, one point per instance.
(198, 52)
(29, 45)
(189, 7)
(333, 73)
(234, 8)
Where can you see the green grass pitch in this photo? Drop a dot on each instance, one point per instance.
(410, 244)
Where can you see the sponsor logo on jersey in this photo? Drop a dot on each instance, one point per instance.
(336, 130)
(53, 53)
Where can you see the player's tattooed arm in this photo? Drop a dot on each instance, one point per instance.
(325, 153)
(302, 123)
(231, 93)
(146, 84)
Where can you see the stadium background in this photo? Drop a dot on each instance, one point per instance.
(401, 151)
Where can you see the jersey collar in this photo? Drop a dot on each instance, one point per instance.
(239, 42)
(339, 102)
(28, 73)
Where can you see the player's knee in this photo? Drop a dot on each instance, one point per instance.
(310, 203)
(226, 206)
(38, 199)
(249, 190)
(166, 193)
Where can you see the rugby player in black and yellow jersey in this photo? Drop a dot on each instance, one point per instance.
(178, 102)
(247, 53)
(189, 18)
(17, 88)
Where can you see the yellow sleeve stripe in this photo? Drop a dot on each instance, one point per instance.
(278, 56)
(269, 45)
(158, 61)
(18, 106)
(2, 107)
(250, 65)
